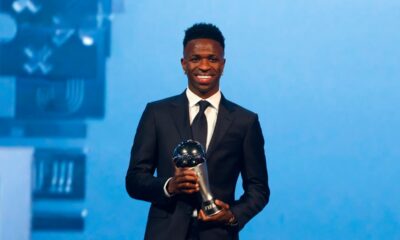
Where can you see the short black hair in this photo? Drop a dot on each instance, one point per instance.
(204, 30)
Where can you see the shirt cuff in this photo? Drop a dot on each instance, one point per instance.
(165, 188)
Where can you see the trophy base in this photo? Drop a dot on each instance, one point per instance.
(209, 208)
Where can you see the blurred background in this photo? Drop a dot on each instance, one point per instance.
(324, 77)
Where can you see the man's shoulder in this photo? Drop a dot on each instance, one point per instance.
(161, 103)
(238, 108)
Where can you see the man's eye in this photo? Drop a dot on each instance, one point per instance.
(195, 59)
(213, 59)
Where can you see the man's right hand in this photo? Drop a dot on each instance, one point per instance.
(184, 181)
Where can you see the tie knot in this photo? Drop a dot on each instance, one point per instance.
(203, 105)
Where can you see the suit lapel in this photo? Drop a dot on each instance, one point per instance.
(224, 120)
(180, 115)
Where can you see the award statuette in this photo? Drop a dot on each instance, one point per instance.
(190, 154)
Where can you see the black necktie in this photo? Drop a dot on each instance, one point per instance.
(199, 124)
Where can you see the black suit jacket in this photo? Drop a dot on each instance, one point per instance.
(236, 147)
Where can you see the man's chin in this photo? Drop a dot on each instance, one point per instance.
(204, 89)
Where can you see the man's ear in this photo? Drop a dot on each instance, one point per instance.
(183, 63)
(223, 66)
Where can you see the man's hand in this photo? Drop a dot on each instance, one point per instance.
(223, 217)
(184, 181)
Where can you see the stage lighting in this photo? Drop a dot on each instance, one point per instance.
(22, 5)
(57, 52)
(53, 57)
(8, 29)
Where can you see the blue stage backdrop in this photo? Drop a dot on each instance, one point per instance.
(324, 77)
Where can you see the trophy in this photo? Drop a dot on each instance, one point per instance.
(191, 154)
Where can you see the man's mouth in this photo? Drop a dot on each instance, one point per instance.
(205, 77)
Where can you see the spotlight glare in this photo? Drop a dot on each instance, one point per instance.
(87, 40)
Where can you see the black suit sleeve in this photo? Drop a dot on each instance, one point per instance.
(254, 175)
(140, 181)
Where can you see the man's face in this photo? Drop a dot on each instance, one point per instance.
(203, 62)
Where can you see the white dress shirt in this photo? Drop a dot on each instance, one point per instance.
(211, 114)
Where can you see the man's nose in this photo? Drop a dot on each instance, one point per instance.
(204, 65)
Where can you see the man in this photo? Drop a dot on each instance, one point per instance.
(233, 141)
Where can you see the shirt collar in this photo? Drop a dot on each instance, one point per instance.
(214, 100)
